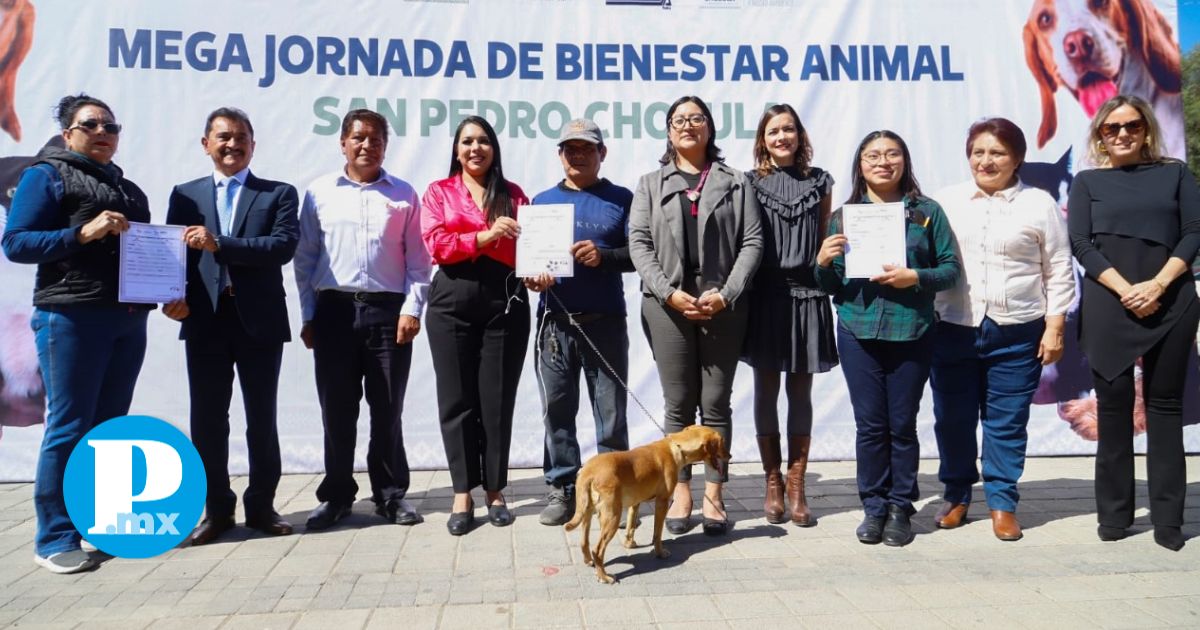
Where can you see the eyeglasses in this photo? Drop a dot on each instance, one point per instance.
(876, 157)
(1132, 127)
(695, 120)
(91, 125)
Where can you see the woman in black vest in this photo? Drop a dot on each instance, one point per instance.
(67, 214)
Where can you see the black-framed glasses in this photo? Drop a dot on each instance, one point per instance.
(91, 125)
(695, 120)
(1132, 127)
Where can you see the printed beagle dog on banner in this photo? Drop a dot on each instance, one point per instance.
(16, 36)
(1099, 48)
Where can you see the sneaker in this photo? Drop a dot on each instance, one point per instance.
(560, 507)
(88, 547)
(65, 562)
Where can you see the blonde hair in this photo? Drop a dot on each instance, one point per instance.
(1151, 147)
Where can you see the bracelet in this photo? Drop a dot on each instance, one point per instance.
(1160, 284)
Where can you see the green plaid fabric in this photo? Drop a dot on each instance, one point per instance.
(871, 311)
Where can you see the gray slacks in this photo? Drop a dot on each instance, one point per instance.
(696, 364)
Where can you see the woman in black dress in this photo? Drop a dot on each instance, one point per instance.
(1135, 227)
(791, 323)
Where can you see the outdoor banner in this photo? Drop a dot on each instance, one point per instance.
(926, 69)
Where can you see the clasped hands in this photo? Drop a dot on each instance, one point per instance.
(1142, 298)
(697, 308)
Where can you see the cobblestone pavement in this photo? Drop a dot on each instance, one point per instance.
(367, 574)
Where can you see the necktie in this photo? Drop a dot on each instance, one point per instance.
(227, 205)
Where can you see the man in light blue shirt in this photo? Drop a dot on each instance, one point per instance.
(363, 274)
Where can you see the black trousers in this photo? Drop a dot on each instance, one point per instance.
(212, 356)
(477, 317)
(1163, 373)
(355, 350)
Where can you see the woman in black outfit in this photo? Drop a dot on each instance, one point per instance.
(1135, 227)
(791, 325)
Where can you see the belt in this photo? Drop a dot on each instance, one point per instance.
(366, 297)
(580, 318)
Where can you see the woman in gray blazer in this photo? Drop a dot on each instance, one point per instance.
(695, 238)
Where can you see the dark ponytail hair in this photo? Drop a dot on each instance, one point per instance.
(70, 105)
(497, 202)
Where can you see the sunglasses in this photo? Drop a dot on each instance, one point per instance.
(1133, 127)
(91, 125)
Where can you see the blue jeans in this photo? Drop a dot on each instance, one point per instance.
(986, 374)
(886, 380)
(90, 357)
(561, 354)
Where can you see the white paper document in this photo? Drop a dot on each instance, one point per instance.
(153, 264)
(875, 236)
(547, 234)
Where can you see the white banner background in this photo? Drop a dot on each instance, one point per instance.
(163, 111)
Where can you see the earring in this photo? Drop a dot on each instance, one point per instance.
(1100, 148)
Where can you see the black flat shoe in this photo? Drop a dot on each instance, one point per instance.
(499, 515)
(1168, 537)
(1110, 534)
(870, 531)
(715, 526)
(460, 523)
(897, 531)
(327, 515)
(679, 526)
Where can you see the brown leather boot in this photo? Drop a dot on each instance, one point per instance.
(797, 466)
(768, 450)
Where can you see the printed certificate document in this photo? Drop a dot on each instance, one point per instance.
(153, 264)
(547, 234)
(875, 237)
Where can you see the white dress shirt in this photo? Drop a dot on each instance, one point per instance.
(1015, 256)
(361, 237)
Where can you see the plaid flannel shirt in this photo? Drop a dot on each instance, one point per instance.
(872, 311)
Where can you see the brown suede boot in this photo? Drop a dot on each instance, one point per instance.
(768, 450)
(797, 466)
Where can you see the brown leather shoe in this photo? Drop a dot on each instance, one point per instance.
(951, 515)
(210, 529)
(798, 446)
(1005, 525)
(270, 523)
(768, 450)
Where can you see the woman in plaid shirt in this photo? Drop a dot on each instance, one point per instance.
(884, 333)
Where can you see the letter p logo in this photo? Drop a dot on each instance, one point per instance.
(114, 479)
(132, 483)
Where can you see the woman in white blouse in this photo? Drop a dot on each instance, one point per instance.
(999, 325)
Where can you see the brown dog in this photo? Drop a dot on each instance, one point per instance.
(612, 482)
(1097, 49)
(16, 36)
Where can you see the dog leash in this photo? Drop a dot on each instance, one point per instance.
(591, 344)
(608, 366)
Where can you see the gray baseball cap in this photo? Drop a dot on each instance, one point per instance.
(581, 129)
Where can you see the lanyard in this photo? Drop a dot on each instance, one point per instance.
(693, 194)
